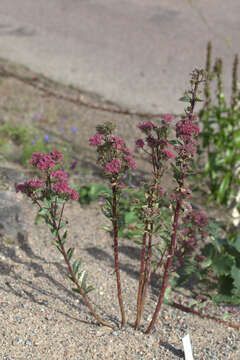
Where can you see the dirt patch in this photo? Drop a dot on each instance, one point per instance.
(40, 317)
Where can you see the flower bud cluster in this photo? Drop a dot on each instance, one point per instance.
(113, 154)
(186, 130)
(53, 182)
(156, 138)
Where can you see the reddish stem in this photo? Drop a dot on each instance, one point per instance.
(147, 270)
(81, 291)
(115, 240)
(168, 264)
(141, 278)
(205, 316)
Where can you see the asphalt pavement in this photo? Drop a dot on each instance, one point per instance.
(136, 53)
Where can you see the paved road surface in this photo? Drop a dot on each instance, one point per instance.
(137, 53)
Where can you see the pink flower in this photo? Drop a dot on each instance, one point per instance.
(74, 194)
(113, 166)
(61, 175)
(200, 258)
(35, 183)
(139, 143)
(187, 192)
(185, 129)
(168, 154)
(164, 142)
(126, 150)
(200, 217)
(96, 140)
(117, 142)
(151, 141)
(186, 150)
(56, 155)
(22, 188)
(29, 187)
(62, 187)
(130, 162)
(167, 118)
(42, 161)
(146, 126)
(35, 158)
(185, 231)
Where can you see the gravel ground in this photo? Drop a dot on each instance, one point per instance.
(41, 318)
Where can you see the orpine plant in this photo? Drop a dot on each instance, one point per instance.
(159, 153)
(49, 193)
(115, 159)
(160, 214)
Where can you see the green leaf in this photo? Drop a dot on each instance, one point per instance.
(54, 232)
(206, 264)
(56, 243)
(64, 237)
(63, 223)
(236, 139)
(236, 279)
(89, 289)
(227, 299)
(236, 243)
(82, 278)
(76, 290)
(43, 211)
(70, 253)
(222, 264)
(185, 98)
(223, 187)
(76, 266)
(130, 217)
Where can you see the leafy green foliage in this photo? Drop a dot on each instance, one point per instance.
(220, 136)
(223, 261)
(90, 192)
(127, 216)
(81, 276)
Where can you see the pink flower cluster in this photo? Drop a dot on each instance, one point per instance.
(60, 175)
(130, 162)
(185, 129)
(167, 118)
(46, 161)
(42, 161)
(57, 178)
(114, 155)
(56, 155)
(62, 187)
(139, 143)
(198, 217)
(96, 140)
(117, 142)
(29, 187)
(113, 166)
(168, 154)
(146, 126)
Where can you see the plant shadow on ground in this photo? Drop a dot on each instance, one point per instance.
(35, 263)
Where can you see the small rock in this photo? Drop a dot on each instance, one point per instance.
(28, 342)
(17, 341)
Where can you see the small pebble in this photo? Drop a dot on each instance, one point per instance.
(17, 341)
(28, 342)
